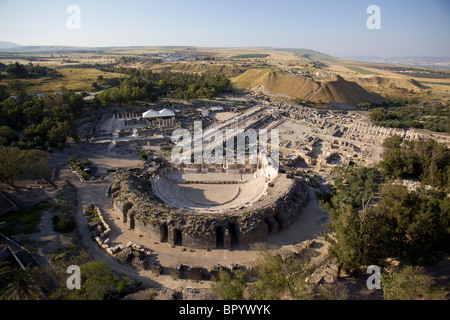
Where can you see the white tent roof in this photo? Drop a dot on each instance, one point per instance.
(158, 114)
(166, 113)
(150, 114)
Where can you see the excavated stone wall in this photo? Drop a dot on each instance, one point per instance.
(138, 207)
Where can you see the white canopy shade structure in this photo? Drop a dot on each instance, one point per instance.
(166, 113)
(158, 114)
(150, 114)
(163, 118)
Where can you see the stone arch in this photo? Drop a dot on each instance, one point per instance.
(126, 207)
(234, 234)
(220, 237)
(132, 221)
(278, 220)
(163, 232)
(177, 237)
(269, 223)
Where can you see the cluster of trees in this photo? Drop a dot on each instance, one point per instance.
(128, 91)
(275, 278)
(417, 115)
(409, 226)
(15, 162)
(189, 86)
(19, 71)
(372, 221)
(144, 84)
(42, 123)
(428, 161)
(98, 282)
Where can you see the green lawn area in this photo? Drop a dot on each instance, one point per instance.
(77, 79)
(251, 55)
(25, 220)
(360, 70)
(439, 83)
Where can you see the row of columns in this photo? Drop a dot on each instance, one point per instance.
(127, 116)
(382, 131)
(163, 122)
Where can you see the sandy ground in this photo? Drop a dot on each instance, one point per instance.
(222, 116)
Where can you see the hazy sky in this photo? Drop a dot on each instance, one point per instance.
(408, 28)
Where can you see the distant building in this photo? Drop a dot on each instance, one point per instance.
(216, 109)
(33, 95)
(39, 95)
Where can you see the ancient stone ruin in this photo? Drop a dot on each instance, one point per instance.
(206, 211)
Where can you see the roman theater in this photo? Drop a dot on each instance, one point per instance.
(207, 206)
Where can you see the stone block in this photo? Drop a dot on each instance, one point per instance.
(175, 272)
(156, 269)
(125, 256)
(195, 273)
(138, 263)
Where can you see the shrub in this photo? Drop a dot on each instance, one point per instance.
(63, 223)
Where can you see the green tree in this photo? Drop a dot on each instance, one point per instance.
(18, 87)
(98, 282)
(410, 283)
(33, 110)
(11, 165)
(12, 113)
(426, 160)
(417, 222)
(36, 163)
(3, 93)
(379, 114)
(230, 287)
(271, 283)
(17, 70)
(22, 284)
(354, 228)
(58, 135)
(279, 279)
(7, 136)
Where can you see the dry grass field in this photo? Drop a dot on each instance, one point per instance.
(79, 79)
(248, 67)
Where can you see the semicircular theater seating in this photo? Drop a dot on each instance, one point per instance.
(216, 197)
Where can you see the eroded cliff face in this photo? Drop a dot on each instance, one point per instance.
(137, 206)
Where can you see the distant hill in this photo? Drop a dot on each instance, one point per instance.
(6, 44)
(278, 83)
(310, 54)
(429, 62)
(47, 49)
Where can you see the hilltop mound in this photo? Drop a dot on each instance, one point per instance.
(277, 83)
(340, 90)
